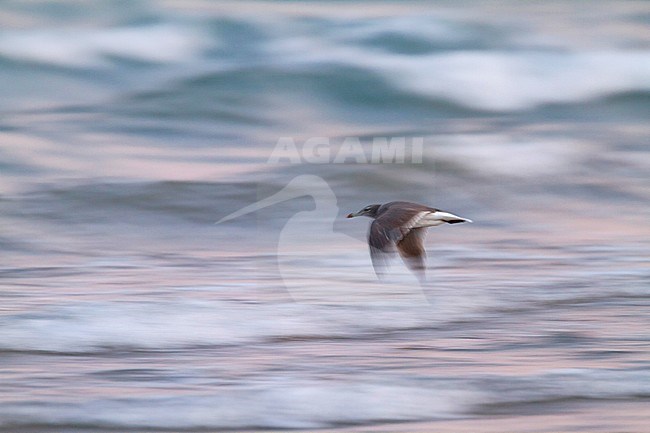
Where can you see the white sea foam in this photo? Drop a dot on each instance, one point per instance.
(569, 383)
(163, 325)
(503, 77)
(496, 79)
(159, 43)
(279, 402)
(293, 402)
(498, 154)
(489, 80)
(520, 80)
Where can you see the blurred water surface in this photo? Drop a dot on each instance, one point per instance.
(129, 128)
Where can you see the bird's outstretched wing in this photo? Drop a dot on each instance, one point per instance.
(395, 229)
(402, 226)
(382, 241)
(411, 249)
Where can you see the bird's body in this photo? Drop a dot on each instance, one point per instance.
(402, 225)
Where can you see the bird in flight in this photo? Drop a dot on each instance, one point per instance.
(402, 225)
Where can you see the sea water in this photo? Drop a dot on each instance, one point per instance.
(129, 128)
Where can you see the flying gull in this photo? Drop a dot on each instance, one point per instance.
(402, 225)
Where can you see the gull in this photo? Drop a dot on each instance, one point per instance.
(402, 225)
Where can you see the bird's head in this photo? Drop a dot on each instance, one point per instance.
(369, 211)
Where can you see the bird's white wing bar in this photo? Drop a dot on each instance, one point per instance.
(430, 219)
(416, 220)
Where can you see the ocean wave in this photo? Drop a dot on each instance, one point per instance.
(302, 402)
(411, 57)
(277, 402)
(84, 48)
(93, 327)
(492, 80)
(508, 74)
(509, 81)
(566, 384)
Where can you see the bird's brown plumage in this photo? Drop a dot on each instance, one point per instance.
(401, 226)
